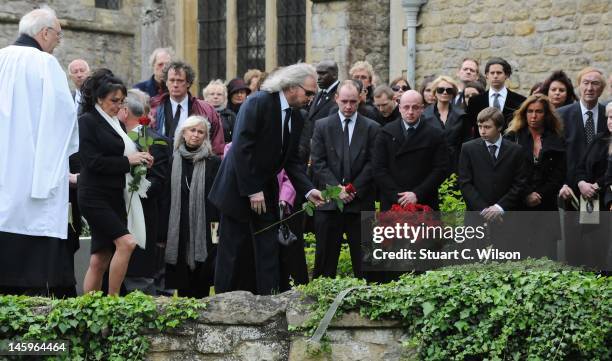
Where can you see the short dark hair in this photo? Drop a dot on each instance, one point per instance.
(476, 85)
(384, 90)
(491, 113)
(499, 61)
(179, 65)
(560, 76)
(97, 86)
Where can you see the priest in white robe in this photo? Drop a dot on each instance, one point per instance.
(38, 132)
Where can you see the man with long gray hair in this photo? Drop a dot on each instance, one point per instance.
(38, 133)
(245, 191)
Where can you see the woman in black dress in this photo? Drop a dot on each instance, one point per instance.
(106, 155)
(538, 129)
(190, 253)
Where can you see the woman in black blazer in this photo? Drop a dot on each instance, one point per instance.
(592, 169)
(104, 165)
(538, 129)
(444, 115)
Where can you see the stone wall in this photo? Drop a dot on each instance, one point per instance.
(536, 37)
(242, 327)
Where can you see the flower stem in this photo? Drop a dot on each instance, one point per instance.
(279, 222)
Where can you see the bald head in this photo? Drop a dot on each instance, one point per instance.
(327, 70)
(78, 70)
(411, 106)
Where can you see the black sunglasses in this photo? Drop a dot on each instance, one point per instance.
(309, 93)
(447, 90)
(397, 88)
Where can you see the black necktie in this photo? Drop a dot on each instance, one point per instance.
(321, 97)
(589, 127)
(346, 153)
(492, 149)
(410, 131)
(175, 121)
(286, 133)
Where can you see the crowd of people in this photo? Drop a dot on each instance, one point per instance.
(184, 192)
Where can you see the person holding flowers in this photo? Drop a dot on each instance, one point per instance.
(108, 156)
(341, 155)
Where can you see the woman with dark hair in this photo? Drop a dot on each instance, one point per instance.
(190, 253)
(472, 89)
(427, 91)
(237, 91)
(538, 129)
(399, 85)
(559, 89)
(591, 171)
(450, 118)
(107, 155)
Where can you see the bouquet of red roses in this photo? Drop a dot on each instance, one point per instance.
(411, 215)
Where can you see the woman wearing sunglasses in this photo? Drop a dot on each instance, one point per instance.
(399, 86)
(443, 114)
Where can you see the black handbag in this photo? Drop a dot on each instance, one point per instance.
(285, 236)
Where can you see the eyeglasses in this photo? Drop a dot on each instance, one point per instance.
(397, 88)
(60, 34)
(450, 91)
(309, 93)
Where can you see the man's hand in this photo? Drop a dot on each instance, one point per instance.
(406, 198)
(346, 197)
(258, 203)
(533, 199)
(588, 190)
(566, 192)
(316, 197)
(72, 179)
(491, 213)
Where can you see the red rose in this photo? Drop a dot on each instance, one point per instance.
(144, 120)
(349, 188)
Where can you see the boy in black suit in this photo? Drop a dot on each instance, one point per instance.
(491, 169)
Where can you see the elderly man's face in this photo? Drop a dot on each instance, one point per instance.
(591, 87)
(411, 106)
(468, 71)
(51, 37)
(158, 67)
(78, 72)
(301, 95)
(177, 84)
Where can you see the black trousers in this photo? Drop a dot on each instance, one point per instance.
(329, 227)
(239, 252)
(292, 257)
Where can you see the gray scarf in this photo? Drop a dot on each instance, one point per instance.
(196, 248)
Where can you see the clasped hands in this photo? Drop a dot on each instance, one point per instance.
(143, 158)
(258, 201)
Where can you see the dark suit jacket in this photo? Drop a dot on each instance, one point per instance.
(484, 182)
(101, 151)
(255, 158)
(150, 87)
(594, 165)
(453, 130)
(321, 110)
(327, 159)
(480, 102)
(418, 164)
(547, 175)
(575, 139)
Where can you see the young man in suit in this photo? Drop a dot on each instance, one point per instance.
(341, 154)
(491, 169)
(245, 191)
(497, 70)
(582, 121)
(410, 158)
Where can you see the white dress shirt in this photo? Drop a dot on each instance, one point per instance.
(351, 124)
(595, 111)
(184, 110)
(503, 94)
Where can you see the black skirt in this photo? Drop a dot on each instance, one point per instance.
(104, 210)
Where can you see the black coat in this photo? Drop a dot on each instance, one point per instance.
(546, 175)
(228, 118)
(418, 164)
(484, 182)
(594, 165)
(395, 115)
(575, 139)
(480, 102)
(320, 109)
(327, 159)
(256, 157)
(101, 149)
(453, 130)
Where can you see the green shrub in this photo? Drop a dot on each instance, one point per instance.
(530, 310)
(97, 327)
(345, 266)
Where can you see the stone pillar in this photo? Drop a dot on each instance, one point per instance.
(411, 8)
(157, 21)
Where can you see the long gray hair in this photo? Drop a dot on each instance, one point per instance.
(289, 76)
(191, 122)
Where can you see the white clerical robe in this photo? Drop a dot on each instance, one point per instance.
(38, 132)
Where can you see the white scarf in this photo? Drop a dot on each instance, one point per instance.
(135, 218)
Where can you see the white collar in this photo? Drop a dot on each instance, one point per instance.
(503, 92)
(184, 103)
(283, 101)
(497, 142)
(331, 86)
(353, 117)
(584, 109)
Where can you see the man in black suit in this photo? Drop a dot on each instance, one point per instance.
(410, 158)
(491, 169)
(467, 72)
(581, 122)
(497, 70)
(245, 190)
(341, 154)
